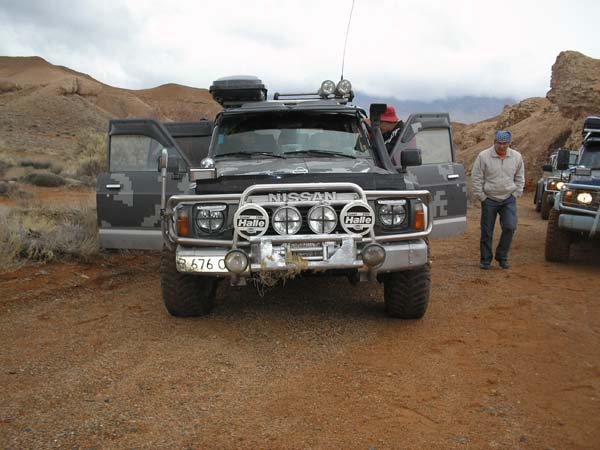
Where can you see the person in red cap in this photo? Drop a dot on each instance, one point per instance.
(391, 127)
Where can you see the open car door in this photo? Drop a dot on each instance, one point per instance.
(439, 173)
(128, 195)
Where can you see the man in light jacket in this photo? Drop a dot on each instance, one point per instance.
(498, 178)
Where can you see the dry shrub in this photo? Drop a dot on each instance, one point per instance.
(47, 235)
(5, 164)
(44, 179)
(11, 189)
(92, 154)
(35, 164)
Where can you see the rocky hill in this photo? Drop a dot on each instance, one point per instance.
(47, 109)
(541, 125)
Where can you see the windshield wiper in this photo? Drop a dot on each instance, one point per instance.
(272, 155)
(321, 152)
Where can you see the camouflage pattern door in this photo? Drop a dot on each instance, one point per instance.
(439, 173)
(128, 195)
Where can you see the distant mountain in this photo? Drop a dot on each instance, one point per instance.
(466, 109)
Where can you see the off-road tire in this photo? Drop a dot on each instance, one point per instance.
(558, 242)
(546, 207)
(406, 293)
(185, 295)
(537, 199)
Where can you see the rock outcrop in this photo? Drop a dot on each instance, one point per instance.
(541, 125)
(575, 85)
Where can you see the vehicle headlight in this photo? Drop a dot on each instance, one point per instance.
(287, 220)
(327, 87)
(551, 185)
(392, 213)
(210, 218)
(584, 198)
(343, 87)
(559, 185)
(322, 219)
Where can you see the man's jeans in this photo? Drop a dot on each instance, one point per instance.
(507, 209)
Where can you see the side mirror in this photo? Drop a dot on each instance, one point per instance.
(163, 160)
(375, 112)
(562, 159)
(547, 168)
(410, 157)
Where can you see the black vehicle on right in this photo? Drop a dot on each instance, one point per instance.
(576, 212)
(551, 182)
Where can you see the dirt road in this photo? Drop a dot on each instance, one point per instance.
(502, 359)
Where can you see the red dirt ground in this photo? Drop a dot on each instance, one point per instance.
(502, 359)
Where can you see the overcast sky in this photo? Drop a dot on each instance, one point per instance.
(412, 50)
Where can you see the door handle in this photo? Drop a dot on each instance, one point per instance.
(453, 176)
(113, 186)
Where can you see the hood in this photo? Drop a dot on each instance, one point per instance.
(272, 166)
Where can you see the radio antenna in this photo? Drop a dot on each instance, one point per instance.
(346, 40)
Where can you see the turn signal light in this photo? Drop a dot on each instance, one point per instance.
(419, 222)
(183, 223)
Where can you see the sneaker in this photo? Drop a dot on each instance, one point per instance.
(484, 266)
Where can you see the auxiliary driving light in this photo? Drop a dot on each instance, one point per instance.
(236, 261)
(327, 88)
(584, 198)
(322, 219)
(344, 87)
(287, 220)
(373, 255)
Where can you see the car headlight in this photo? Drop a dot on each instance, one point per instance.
(287, 220)
(585, 198)
(322, 219)
(327, 87)
(210, 218)
(392, 213)
(559, 185)
(343, 87)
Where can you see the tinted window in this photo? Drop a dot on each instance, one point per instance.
(435, 145)
(195, 148)
(135, 153)
(591, 157)
(288, 133)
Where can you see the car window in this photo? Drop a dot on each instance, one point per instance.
(290, 133)
(435, 145)
(136, 153)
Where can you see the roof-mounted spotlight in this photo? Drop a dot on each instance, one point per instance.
(343, 88)
(327, 88)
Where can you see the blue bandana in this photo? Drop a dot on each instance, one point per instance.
(503, 136)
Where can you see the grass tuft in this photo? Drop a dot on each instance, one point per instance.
(47, 235)
(44, 179)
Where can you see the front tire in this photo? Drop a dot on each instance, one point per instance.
(537, 199)
(406, 293)
(558, 242)
(546, 207)
(185, 295)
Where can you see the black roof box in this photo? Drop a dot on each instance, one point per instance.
(236, 90)
(591, 125)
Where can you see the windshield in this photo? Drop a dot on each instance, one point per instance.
(291, 134)
(591, 157)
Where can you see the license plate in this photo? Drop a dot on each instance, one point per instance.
(207, 264)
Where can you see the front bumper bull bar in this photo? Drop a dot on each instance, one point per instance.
(579, 219)
(294, 252)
